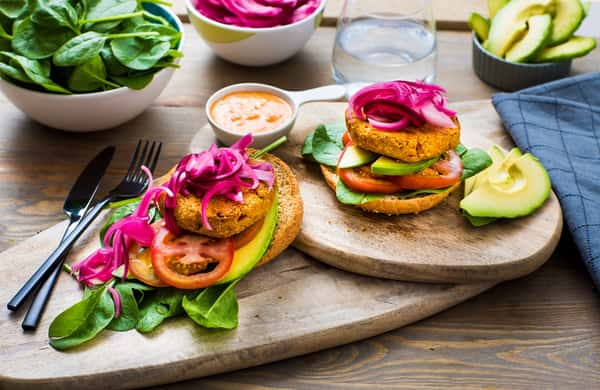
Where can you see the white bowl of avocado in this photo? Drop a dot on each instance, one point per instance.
(527, 42)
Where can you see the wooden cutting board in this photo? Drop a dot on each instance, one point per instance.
(292, 306)
(438, 245)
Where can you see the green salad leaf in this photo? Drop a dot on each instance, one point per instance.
(130, 312)
(327, 143)
(83, 321)
(13, 8)
(214, 307)
(346, 196)
(157, 307)
(474, 160)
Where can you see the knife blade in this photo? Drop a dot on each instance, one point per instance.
(80, 196)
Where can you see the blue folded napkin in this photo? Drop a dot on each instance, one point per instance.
(559, 123)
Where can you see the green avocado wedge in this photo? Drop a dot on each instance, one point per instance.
(575, 47)
(538, 33)
(510, 23)
(479, 24)
(495, 5)
(390, 167)
(568, 16)
(518, 187)
(246, 257)
(355, 156)
(497, 156)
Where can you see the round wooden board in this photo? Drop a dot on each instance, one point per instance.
(438, 245)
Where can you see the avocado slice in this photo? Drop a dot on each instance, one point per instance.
(575, 47)
(246, 257)
(494, 6)
(355, 156)
(390, 167)
(567, 17)
(512, 190)
(497, 156)
(510, 23)
(538, 33)
(479, 24)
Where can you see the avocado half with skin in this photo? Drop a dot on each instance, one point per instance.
(517, 187)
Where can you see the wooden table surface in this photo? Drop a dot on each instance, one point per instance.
(540, 331)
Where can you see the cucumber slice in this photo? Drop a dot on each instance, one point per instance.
(574, 47)
(494, 6)
(479, 24)
(567, 18)
(539, 29)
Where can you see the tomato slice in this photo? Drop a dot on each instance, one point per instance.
(243, 238)
(362, 180)
(346, 139)
(140, 265)
(190, 261)
(444, 173)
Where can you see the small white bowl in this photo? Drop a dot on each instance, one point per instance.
(294, 98)
(255, 46)
(91, 111)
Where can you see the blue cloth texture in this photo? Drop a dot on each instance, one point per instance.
(559, 123)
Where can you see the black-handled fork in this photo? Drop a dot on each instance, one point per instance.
(132, 185)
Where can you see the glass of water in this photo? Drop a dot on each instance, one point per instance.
(381, 40)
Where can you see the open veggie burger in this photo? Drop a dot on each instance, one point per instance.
(223, 210)
(399, 151)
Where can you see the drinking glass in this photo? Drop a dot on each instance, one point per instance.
(381, 40)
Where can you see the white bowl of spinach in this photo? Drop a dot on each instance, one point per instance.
(86, 65)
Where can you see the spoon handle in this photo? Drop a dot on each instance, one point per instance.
(328, 92)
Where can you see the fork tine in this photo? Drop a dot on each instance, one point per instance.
(131, 168)
(140, 176)
(156, 156)
(136, 172)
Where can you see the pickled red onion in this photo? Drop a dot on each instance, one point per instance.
(257, 13)
(395, 105)
(216, 171)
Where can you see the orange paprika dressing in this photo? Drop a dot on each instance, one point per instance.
(251, 112)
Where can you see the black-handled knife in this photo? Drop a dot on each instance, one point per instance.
(75, 206)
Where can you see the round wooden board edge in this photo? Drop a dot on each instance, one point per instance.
(418, 272)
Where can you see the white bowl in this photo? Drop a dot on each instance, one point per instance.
(255, 46)
(294, 98)
(90, 111)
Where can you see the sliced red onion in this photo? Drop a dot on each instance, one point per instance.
(117, 300)
(216, 171)
(394, 105)
(257, 13)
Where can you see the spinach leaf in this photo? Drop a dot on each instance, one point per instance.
(461, 149)
(79, 50)
(35, 70)
(82, 321)
(135, 81)
(478, 221)
(4, 34)
(214, 307)
(416, 193)
(36, 42)
(346, 196)
(90, 76)
(130, 312)
(13, 8)
(139, 53)
(327, 143)
(474, 161)
(55, 13)
(113, 66)
(307, 149)
(167, 32)
(15, 73)
(158, 306)
(97, 9)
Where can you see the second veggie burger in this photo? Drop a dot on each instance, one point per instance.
(401, 152)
